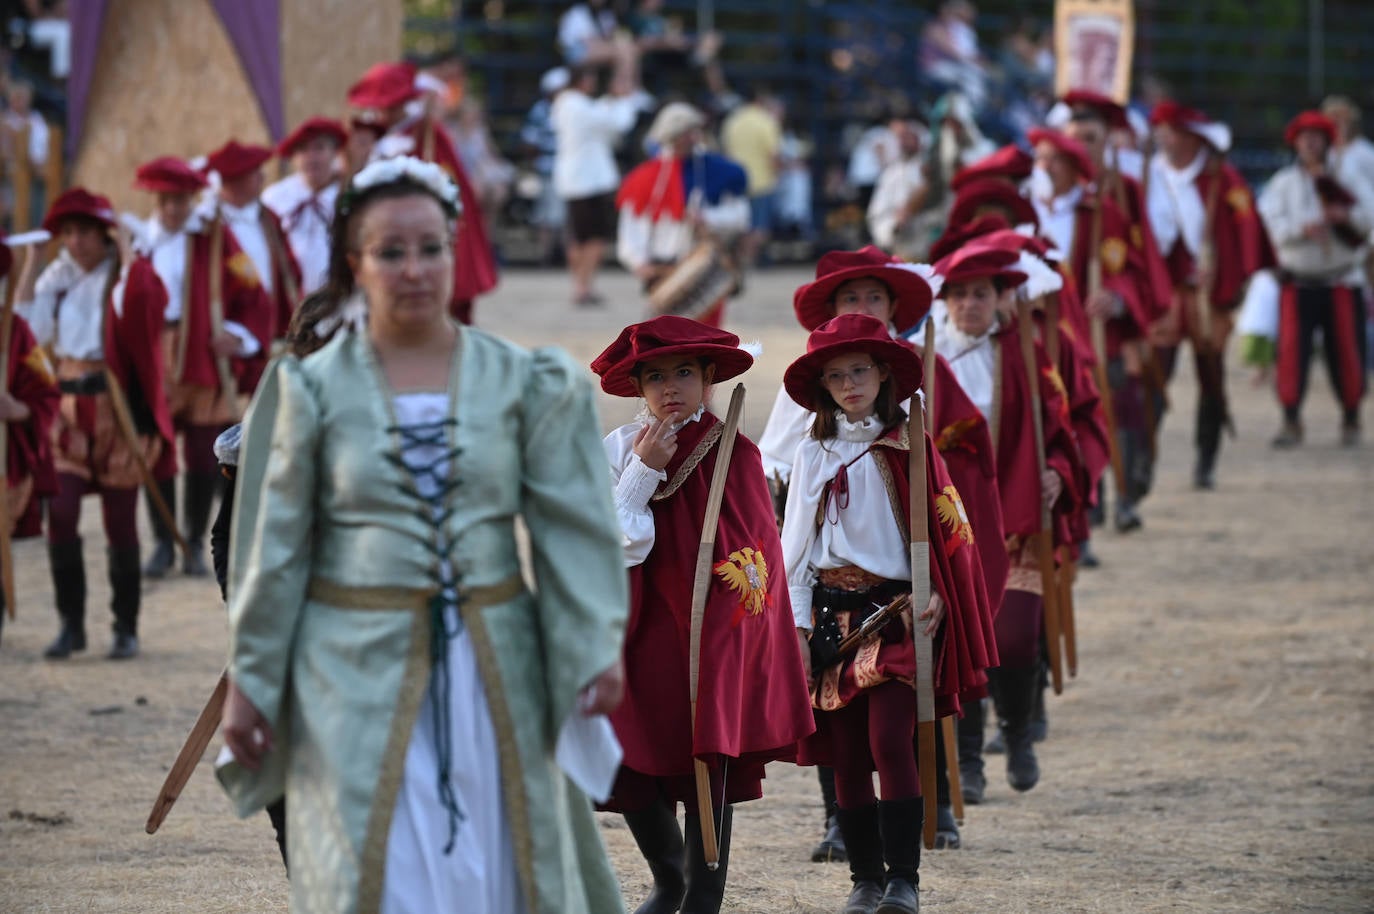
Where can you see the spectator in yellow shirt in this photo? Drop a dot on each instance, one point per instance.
(752, 136)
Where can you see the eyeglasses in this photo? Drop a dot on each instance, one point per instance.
(834, 380)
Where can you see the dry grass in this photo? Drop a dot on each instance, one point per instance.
(1213, 754)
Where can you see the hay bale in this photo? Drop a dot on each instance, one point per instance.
(320, 63)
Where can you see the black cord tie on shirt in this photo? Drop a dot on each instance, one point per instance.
(435, 511)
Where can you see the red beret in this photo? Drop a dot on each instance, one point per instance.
(234, 160)
(980, 260)
(668, 334)
(958, 234)
(910, 293)
(1067, 146)
(991, 192)
(1101, 105)
(1010, 163)
(384, 85)
(168, 175)
(1191, 120)
(852, 333)
(1310, 120)
(79, 202)
(307, 131)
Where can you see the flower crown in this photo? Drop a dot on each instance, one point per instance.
(427, 175)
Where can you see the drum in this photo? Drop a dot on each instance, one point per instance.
(695, 283)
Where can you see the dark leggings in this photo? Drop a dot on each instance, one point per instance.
(198, 449)
(1018, 629)
(118, 508)
(879, 725)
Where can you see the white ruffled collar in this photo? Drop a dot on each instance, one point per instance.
(645, 417)
(866, 430)
(963, 342)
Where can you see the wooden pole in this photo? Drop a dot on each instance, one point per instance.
(1068, 568)
(22, 180)
(124, 418)
(1099, 339)
(6, 521)
(189, 757)
(701, 587)
(920, 599)
(1043, 541)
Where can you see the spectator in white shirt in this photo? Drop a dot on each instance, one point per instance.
(587, 130)
(586, 34)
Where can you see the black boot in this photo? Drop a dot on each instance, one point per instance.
(200, 496)
(1211, 418)
(863, 838)
(831, 846)
(1086, 557)
(705, 887)
(946, 829)
(69, 586)
(164, 553)
(276, 813)
(901, 822)
(1039, 722)
(125, 592)
(660, 841)
(1015, 701)
(972, 781)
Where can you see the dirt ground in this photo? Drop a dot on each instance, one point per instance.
(1214, 753)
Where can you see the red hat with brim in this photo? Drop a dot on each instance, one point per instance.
(1010, 163)
(1310, 120)
(851, 333)
(1065, 145)
(1103, 106)
(667, 335)
(79, 203)
(813, 302)
(168, 175)
(958, 234)
(981, 261)
(309, 130)
(234, 160)
(1191, 120)
(384, 85)
(1012, 240)
(994, 194)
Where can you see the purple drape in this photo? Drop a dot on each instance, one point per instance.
(254, 28)
(87, 18)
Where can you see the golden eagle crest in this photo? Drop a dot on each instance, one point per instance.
(241, 265)
(952, 435)
(1238, 198)
(746, 573)
(37, 362)
(1113, 255)
(949, 507)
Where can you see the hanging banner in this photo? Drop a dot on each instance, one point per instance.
(1094, 41)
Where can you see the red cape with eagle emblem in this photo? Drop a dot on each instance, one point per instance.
(752, 701)
(28, 454)
(966, 645)
(133, 354)
(1124, 271)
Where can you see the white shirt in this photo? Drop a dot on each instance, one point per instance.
(895, 186)
(972, 360)
(877, 147)
(1177, 211)
(634, 483)
(586, 131)
(1059, 217)
(38, 135)
(580, 25)
(246, 224)
(305, 217)
(864, 533)
(1354, 164)
(1289, 202)
(68, 308)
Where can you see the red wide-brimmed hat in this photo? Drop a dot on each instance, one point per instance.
(308, 130)
(384, 85)
(234, 160)
(1010, 163)
(1012, 240)
(958, 234)
(667, 335)
(1191, 120)
(992, 193)
(1103, 106)
(910, 293)
(79, 202)
(1310, 120)
(980, 260)
(1065, 145)
(168, 175)
(851, 333)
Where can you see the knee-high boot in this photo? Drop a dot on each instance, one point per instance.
(901, 822)
(972, 781)
(200, 496)
(125, 593)
(831, 846)
(656, 832)
(1015, 702)
(946, 828)
(69, 586)
(863, 839)
(706, 888)
(164, 551)
(1211, 417)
